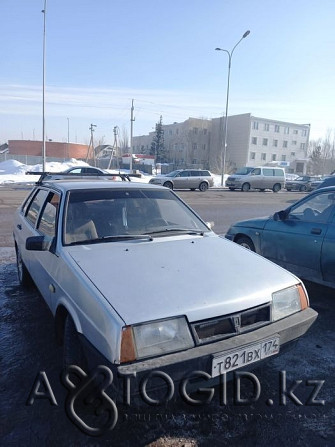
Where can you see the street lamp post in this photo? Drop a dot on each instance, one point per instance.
(44, 11)
(224, 148)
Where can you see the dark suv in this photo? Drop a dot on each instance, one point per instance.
(185, 179)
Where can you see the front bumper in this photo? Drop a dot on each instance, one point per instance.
(181, 365)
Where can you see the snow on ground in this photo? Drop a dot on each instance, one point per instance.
(12, 171)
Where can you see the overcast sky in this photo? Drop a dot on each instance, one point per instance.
(101, 54)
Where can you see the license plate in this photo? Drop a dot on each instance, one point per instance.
(223, 363)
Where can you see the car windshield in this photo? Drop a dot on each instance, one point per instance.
(172, 174)
(109, 215)
(243, 171)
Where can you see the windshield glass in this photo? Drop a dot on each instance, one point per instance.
(243, 171)
(94, 215)
(172, 174)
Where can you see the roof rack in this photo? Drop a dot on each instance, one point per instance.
(47, 176)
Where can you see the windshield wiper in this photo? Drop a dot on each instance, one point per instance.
(178, 230)
(125, 237)
(117, 237)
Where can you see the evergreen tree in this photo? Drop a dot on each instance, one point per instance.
(157, 147)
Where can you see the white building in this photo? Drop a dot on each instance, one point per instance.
(251, 141)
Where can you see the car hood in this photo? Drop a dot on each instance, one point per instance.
(200, 277)
(258, 223)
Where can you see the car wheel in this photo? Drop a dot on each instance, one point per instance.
(232, 189)
(203, 186)
(168, 185)
(276, 187)
(73, 353)
(246, 242)
(245, 187)
(303, 188)
(22, 272)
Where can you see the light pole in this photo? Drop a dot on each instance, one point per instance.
(44, 11)
(224, 148)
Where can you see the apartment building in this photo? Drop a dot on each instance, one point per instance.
(251, 141)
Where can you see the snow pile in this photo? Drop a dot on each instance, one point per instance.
(12, 171)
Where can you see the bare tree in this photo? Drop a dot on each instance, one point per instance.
(322, 154)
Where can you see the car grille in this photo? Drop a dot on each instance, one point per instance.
(213, 329)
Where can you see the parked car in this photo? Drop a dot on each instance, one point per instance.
(300, 238)
(328, 181)
(289, 177)
(302, 183)
(134, 276)
(185, 179)
(85, 170)
(262, 178)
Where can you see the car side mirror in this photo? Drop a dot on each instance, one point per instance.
(280, 215)
(38, 243)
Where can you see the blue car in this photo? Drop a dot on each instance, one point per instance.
(300, 238)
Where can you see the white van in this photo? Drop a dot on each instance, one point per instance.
(262, 177)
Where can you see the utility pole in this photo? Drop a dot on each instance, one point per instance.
(91, 145)
(132, 119)
(115, 146)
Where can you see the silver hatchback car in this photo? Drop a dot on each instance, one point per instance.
(185, 179)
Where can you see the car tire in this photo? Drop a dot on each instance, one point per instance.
(245, 187)
(246, 242)
(168, 185)
(303, 188)
(203, 186)
(22, 272)
(276, 187)
(73, 353)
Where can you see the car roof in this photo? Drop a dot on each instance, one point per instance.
(78, 184)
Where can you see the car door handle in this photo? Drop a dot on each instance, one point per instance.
(19, 226)
(316, 231)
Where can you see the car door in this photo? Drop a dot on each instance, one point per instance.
(328, 251)
(26, 223)
(43, 264)
(182, 181)
(296, 242)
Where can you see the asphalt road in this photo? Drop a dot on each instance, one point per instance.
(28, 351)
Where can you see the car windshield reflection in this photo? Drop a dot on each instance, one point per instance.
(114, 215)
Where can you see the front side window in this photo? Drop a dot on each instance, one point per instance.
(47, 221)
(35, 206)
(318, 208)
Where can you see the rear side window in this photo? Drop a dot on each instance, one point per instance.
(279, 172)
(35, 206)
(268, 172)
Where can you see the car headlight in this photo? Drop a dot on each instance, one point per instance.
(155, 338)
(288, 301)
